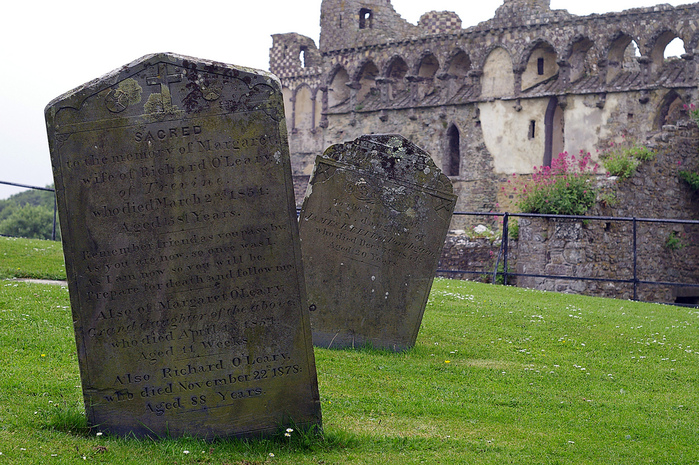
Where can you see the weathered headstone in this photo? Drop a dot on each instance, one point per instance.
(372, 228)
(181, 243)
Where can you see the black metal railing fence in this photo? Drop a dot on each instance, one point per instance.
(503, 253)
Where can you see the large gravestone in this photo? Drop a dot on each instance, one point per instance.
(372, 227)
(181, 243)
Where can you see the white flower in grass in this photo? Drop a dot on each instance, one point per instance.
(185, 452)
(271, 454)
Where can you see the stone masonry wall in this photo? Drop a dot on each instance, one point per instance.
(476, 255)
(604, 248)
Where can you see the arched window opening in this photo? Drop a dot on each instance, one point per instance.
(338, 92)
(631, 55)
(396, 73)
(670, 111)
(541, 65)
(428, 66)
(665, 54)
(498, 78)
(452, 160)
(554, 131)
(460, 65)
(674, 49)
(581, 62)
(367, 81)
(365, 18)
(622, 57)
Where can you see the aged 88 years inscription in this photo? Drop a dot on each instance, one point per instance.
(372, 228)
(181, 243)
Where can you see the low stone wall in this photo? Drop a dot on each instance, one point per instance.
(477, 255)
(604, 250)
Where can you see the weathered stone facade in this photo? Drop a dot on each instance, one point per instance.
(497, 98)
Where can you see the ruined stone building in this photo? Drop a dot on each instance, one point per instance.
(497, 98)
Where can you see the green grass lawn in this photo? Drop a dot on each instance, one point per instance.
(499, 375)
(31, 258)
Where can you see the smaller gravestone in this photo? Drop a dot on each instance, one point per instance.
(372, 228)
(180, 236)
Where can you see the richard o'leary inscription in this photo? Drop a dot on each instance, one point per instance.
(372, 228)
(181, 242)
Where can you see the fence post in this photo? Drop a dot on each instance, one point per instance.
(635, 272)
(505, 234)
(55, 209)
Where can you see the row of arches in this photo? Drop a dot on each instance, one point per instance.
(613, 49)
(493, 71)
(499, 74)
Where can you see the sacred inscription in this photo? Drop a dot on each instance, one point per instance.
(181, 243)
(372, 229)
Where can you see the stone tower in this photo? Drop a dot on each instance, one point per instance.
(360, 22)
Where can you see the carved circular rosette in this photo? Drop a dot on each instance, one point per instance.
(116, 101)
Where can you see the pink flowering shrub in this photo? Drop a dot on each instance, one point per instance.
(564, 188)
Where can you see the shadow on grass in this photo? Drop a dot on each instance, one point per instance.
(71, 419)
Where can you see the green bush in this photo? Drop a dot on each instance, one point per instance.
(621, 160)
(513, 229)
(620, 164)
(674, 241)
(29, 221)
(690, 178)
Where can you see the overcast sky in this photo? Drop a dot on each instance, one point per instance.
(50, 48)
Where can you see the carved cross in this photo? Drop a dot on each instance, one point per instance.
(163, 79)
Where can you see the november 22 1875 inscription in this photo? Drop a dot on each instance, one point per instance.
(181, 242)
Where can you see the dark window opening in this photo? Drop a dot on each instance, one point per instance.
(532, 129)
(452, 162)
(302, 57)
(540, 66)
(365, 17)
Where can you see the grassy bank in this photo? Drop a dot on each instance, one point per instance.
(498, 375)
(31, 258)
